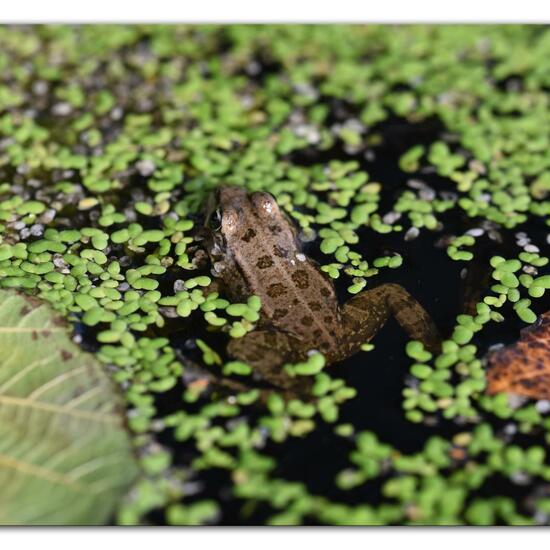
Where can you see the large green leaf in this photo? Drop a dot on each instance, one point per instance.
(65, 457)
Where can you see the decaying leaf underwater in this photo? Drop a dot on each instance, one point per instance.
(523, 368)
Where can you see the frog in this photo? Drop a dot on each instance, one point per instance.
(254, 249)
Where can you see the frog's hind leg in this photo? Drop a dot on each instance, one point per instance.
(365, 314)
(266, 351)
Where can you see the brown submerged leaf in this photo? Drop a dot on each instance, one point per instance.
(523, 368)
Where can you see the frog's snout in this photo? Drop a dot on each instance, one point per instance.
(230, 194)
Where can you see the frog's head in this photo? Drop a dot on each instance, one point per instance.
(233, 217)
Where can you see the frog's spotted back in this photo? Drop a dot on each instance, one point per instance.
(260, 255)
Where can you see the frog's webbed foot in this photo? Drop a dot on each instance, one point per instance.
(266, 351)
(365, 314)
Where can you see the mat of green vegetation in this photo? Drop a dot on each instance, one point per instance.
(112, 136)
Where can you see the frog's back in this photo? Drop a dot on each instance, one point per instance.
(254, 250)
(296, 296)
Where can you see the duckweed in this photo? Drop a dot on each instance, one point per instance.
(440, 140)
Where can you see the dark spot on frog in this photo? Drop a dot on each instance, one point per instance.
(307, 321)
(315, 306)
(276, 289)
(254, 357)
(325, 292)
(270, 339)
(527, 383)
(317, 333)
(327, 319)
(24, 310)
(301, 278)
(34, 335)
(275, 228)
(66, 355)
(280, 251)
(295, 302)
(46, 333)
(249, 235)
(264, 262)
(279, 313)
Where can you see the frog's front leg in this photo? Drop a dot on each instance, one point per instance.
(266, 351)
(365, 314)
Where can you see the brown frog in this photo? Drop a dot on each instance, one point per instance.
(254, 249)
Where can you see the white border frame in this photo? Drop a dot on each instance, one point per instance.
(285, 11)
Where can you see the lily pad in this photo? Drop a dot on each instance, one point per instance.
(65, 456)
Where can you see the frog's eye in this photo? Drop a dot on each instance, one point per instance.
(215, 220)
(265, 202)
